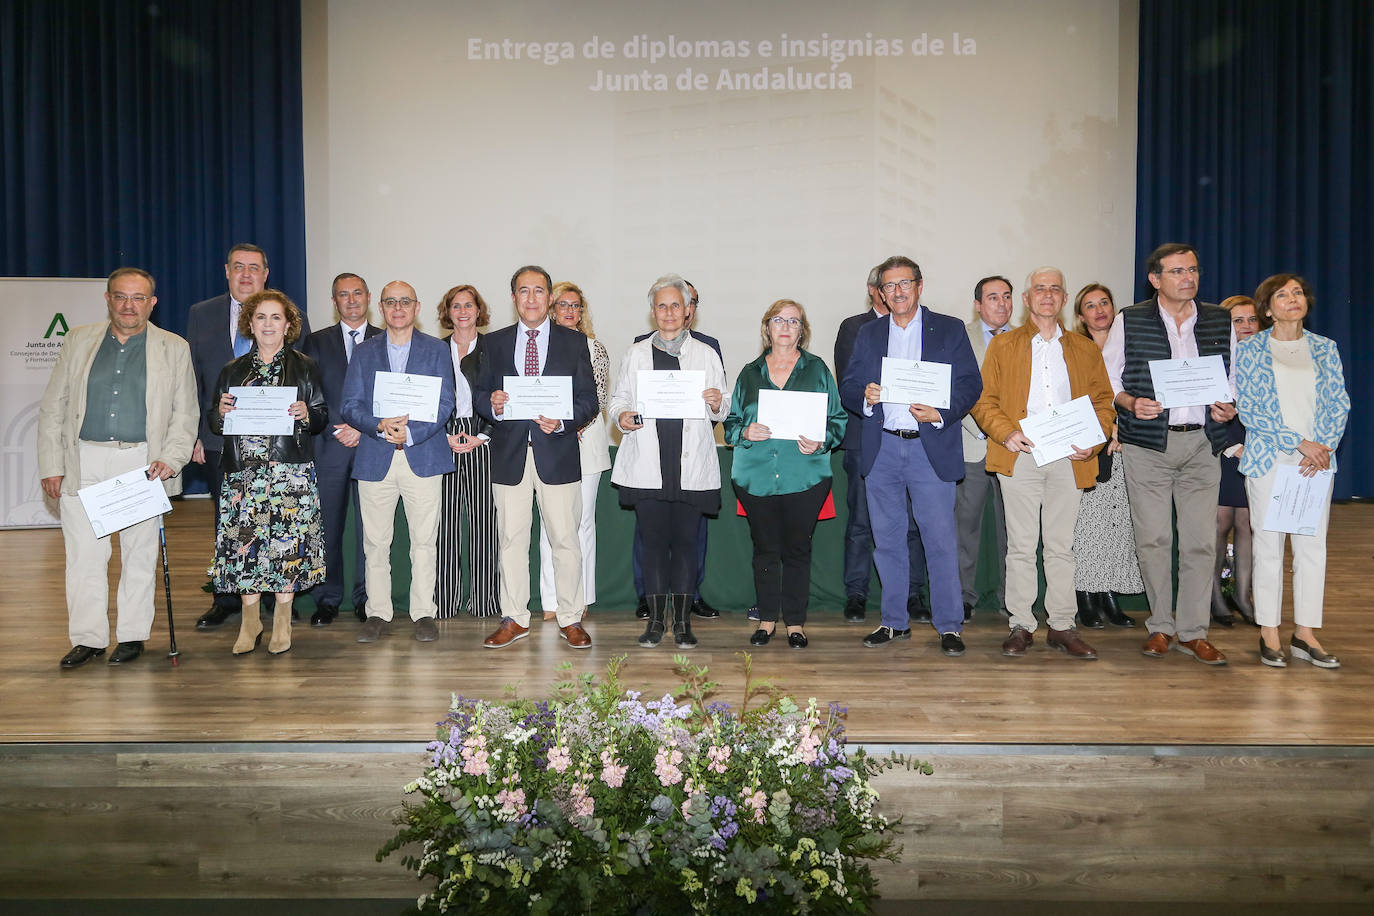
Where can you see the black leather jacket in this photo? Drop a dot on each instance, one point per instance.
(298, 370)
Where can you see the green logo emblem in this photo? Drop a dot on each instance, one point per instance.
(57, 327)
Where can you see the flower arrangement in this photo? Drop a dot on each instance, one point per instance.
(599, 801)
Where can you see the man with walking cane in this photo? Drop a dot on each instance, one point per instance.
(122, 396)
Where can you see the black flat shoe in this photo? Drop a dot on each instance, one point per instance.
(760, 637)
(126, 652)
(952, 644)
(642, 609)
(884, 635)
(796, 640)
(917, 609)
(324, 616)
(703, 610)
(360, 611)
(215, 618)
(854, 607)
(79, 656)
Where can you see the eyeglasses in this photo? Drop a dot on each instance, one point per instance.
(565, 304)
(405, 302)
(781, 321)
(137, 299)
(238, 268)
(903, 284)
(1178, 273)
(668, 306)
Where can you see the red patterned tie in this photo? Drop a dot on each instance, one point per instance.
(531, 354)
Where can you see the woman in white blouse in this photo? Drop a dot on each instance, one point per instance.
(1293, 402)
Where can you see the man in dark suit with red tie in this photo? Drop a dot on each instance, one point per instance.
(536, 460)
(335, 448)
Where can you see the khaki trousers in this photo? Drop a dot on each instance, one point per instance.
(377, 500)
(88, 558)
(1040, 503)
(1182, 480)
(560, 513)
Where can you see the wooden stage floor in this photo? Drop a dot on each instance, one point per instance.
(329, 688)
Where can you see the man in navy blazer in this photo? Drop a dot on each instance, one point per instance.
(332, 349)
(536, 460)
(913, 449)
(212, 332)
(399, 458)
(858, 531)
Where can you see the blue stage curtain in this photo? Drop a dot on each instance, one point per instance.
(152, 134)
(1255, 146)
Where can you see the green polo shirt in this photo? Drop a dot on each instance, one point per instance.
(775, 466)
(117, 391)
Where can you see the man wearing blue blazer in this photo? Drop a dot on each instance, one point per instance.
(399, 458)
(332, 349)
(536, 460)
(912, 449)
(212, 332)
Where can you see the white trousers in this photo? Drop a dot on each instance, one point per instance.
(377, 500)
(560, 511)
(88, 558)
(1309, 558)
(586, 537)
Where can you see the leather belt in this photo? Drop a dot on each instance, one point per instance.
(903, 433)
(1185, 427)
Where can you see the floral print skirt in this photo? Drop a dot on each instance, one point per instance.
(270, 536)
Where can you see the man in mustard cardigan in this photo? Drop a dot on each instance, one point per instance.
(1034, 368)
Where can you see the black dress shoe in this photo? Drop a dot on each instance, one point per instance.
(80, 655)
(642, 609)
(796, 640)
(952, 644)
(854, 607)
(360, 611)
(760, 637)
(968, 612)
(1221, 613)
(215, 618)
(1090, 610)
(884, 635)
(1241, 606)
(324, 616)
(918, 610)
(703, 610)
(126, 652)
(1113, 612)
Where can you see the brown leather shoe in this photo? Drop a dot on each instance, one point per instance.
(1201, 650)
(1070, 642)
(576, 636)
(1157, 646)
(508, 632)
(1018, 642)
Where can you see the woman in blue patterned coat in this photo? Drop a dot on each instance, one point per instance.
(1293, 402)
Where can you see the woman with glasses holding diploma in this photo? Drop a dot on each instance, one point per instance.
(781, 483)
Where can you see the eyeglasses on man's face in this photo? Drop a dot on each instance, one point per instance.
(903, 284)
(136, 299)
(404, 302)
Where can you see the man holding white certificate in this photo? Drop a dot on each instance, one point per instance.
(121, 397)
(1039, 445)
(400, 457)
(1170, 452)
(535, 386)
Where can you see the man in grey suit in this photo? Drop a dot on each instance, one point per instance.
(992, 301)
(212, 332)
(121, 398)
(335, 448)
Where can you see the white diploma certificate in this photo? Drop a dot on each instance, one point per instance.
(402, 394)
(1057, 431)
(789, 414)
(115, 504)
(533, 396)
(670, 394)
(1191, 382)
(913, 381)
(261, 411)
(1297, 504)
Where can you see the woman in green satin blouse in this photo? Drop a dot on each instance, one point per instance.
(781, 482)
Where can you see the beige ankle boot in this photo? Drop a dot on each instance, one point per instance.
(281, 628)
(250, 629)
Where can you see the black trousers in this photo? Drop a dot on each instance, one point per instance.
(781, 527)
(670, 545)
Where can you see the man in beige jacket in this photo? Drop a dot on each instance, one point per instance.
(122, 396)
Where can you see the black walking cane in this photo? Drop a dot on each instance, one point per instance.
(167, 587)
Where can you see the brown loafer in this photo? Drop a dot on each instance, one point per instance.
(508, 632)
(577, 637)
(1018, 642)
(1201, 650)
(1068, 641)
(1157, 646)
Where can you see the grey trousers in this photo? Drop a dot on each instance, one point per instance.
(1181, 480)
(970, 496)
